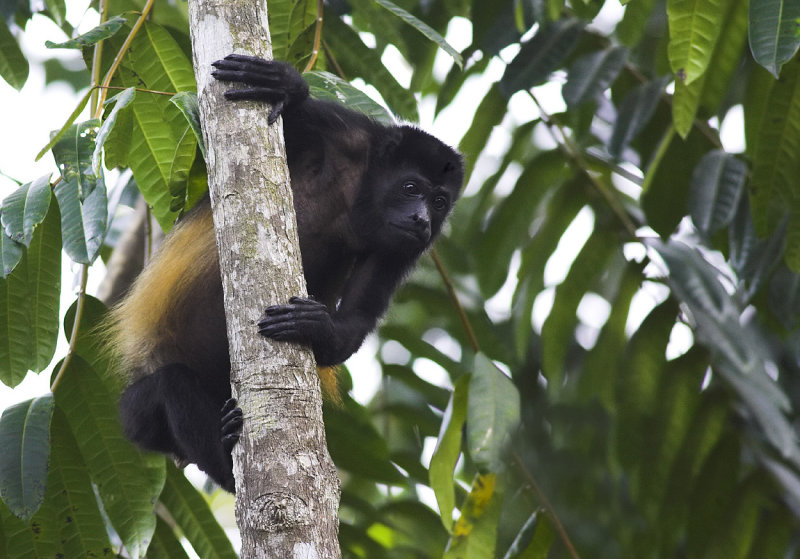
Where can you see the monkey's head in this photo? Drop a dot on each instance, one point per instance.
(414, 181)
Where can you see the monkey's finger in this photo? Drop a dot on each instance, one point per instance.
(232, 427)
(234, 414)
(274, 70)
(230, 405)
(277, 109)
(250, 78)
(251, 59)
(282, 335)
(255, 94)
(278, 310)
(305, 301)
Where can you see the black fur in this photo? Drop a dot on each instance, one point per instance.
(369, 200)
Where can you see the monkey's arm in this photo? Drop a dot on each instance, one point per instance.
(335, 335)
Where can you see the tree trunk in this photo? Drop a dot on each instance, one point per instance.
(287, 489)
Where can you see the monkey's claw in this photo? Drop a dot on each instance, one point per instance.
(230, 424)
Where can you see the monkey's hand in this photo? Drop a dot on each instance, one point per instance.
(230, 424)
(303, 321)
(277, 83)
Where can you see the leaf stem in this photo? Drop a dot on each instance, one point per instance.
(473, 341)
(548, 507)
(574, 154)
(122, 51)
(317, 37)
(73, 340)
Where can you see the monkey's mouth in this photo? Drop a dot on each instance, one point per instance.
(420, 235)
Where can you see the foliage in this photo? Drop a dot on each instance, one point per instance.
(600, 360)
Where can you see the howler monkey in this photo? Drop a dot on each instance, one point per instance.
(369, 199)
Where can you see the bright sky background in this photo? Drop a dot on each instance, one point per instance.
(28, 117)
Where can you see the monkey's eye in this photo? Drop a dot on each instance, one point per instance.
(440, 203)
(410, 188)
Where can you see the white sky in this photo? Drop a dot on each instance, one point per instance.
(29, 116)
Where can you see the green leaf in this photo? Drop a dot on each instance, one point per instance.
(30, 540)
(280, 12)
(192, 515)
(735, 536)
(666, 183)
(25, 208)
(10, 255)
(182, 162)
(511, 219)
(475, 532)
(776, 157)
(634, 22)
(25, 440)
(534, 539)
(639, 379)
(355, 444)
(127, 481)
(634, 112)
(592, 74)
(738, 356)
(448, 449)
(708, 424)
(558, 328)
(13, 64)
(70, 492)
(186, 101)
(751, 257)
(326, 86)
(91, 341)
(773, 32)
(43, 280)
(694, 27)
(668, 425)
(15, 326)
(784, 297)
(540, 56)
(358, 60)
(492, 415)
(165, 544)
(73, 155)
(102, 31)
(58, 135)
(120, 101)
(713, 493)
(156, 62)
(82, 194)
(423, 28)
(68, 523)
(29, 304)
(490, 113)
(715, 190)
(605, 359)
(302, 32)
(710, 88)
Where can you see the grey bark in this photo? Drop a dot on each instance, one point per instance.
(287, 489)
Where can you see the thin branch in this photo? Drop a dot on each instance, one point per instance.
(97, 57)
(98, 110)
(139, 89)
(574, 154)
(548, 507)
(122, 51)
(73, 340)
(317, 37)
(473, 341)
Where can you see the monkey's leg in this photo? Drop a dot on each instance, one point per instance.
(171, 411)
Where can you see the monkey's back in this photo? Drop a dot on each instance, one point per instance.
(174, 310)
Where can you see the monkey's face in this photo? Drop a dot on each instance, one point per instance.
(412, 210)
